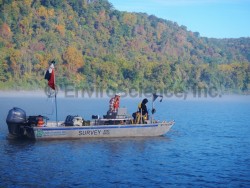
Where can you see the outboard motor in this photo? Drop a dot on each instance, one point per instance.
(15, 120)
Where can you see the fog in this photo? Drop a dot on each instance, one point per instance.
(71, 94)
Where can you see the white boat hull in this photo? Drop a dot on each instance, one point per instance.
(101, 131)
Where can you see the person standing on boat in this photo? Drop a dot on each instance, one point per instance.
(114, 103)
(142, 114)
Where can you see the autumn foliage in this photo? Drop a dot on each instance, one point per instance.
(95, 45)
(73, 59)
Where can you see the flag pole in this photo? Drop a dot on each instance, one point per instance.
(152, 116)
(55, 97)
(51, 77)
(56, 108)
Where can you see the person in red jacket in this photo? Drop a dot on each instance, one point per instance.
(114, 103)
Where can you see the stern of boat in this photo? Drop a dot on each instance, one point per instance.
(15, 120)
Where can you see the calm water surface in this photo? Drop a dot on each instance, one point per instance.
(209, 146)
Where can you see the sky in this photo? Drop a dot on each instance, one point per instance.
(211, 18)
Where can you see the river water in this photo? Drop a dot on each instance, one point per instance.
(209, 146)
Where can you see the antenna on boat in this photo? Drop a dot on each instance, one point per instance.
(154, 97)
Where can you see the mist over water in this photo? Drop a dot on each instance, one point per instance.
(207, 147)
(72, 93)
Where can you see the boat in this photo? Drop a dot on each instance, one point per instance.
(114, 124)
(121, 124)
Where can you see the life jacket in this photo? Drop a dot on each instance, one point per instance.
(40, 121)
(139, 117)
(116, 104)
(138, 114)
(139, 106)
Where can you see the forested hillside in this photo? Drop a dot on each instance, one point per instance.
(96, 46)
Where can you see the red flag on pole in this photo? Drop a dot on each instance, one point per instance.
(50, 76)
(51, 81)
